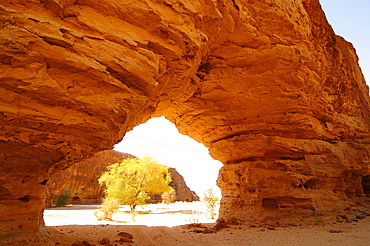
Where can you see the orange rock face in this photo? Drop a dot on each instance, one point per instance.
(82, 180)
(266, 85)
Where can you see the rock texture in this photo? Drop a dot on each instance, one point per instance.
(266, 85)
(82, 180)
(183, 192)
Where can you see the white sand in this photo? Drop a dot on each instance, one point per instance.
(161, 225)
(174, 214)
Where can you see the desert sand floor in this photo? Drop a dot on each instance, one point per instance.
(165, 225)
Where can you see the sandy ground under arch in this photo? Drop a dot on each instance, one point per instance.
(165, 225)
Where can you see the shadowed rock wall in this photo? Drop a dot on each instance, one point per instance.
(266, 85)
(82, 179)
(183, 192)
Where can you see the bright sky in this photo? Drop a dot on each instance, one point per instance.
(160, 139)
(351, 20)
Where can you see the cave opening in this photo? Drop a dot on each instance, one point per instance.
(160, 139)
(366, 185)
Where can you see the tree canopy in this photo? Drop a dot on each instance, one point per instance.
(133, 180)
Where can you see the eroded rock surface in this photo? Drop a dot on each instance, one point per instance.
(266, 85)
(82, 180)
(183, 192)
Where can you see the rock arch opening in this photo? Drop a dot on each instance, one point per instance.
(160, 139)
(191, 167)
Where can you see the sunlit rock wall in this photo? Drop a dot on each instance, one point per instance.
(266, 85)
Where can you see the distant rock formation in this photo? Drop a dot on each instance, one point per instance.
(183, 192)
(82, 180)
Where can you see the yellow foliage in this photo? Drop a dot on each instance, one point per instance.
(131, 181)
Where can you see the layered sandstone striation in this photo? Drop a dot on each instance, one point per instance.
(183, 192)
(266, 85)
(82, 180)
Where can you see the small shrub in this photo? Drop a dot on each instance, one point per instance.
(210, 200)
(63, 199)
(194, 217)
(169, 196)
(110, 206)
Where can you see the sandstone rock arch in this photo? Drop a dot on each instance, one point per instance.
(266, 85)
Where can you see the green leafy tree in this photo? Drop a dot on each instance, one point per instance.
(64, 199)
(131, 181)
